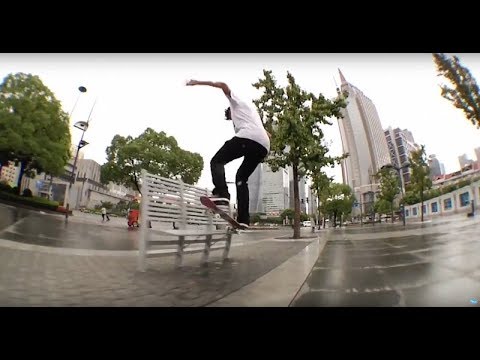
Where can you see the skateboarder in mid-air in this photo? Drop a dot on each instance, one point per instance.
(251, 141)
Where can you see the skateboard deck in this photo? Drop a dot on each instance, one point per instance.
(211, 205)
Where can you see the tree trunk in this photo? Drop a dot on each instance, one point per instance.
(334, 219)
(296, 201)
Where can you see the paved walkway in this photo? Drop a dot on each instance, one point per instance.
(33, 273)
(431, 264)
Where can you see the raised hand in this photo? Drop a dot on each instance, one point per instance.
(191, 82)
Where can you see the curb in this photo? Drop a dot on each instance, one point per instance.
(279, 286)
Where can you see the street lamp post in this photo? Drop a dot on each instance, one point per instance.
(81, 125)
(398, 170)
(81, 89)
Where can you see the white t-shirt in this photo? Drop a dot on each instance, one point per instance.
(247, 122)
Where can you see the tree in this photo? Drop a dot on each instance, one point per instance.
(106, 204)
(293, 117)
(389, 187)
(155, 152)
(465, 94)
(420, 178)
(321, 187)
(382, 206)
(288, 213)
(34, 129)
(339, 202)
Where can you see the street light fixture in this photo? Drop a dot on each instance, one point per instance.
(81, 89)
(398, 170)
(82, 125)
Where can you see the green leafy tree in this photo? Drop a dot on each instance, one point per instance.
(34, 129)
(382, 206)
(420, 178)
(410, 197)
(465, 94)
(107, 205)
(339, 202)
(255, 218)
(288, 213)
(321, 188)
(153, 151)
(389, 187)
(294, 118)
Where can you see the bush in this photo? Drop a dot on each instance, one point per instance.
(33, 201)
(5, 187)
(27, 193)
(15, 190)
(463, 183)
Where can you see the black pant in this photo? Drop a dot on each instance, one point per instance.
(233, 149)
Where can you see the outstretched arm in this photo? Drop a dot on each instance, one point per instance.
(219, 85)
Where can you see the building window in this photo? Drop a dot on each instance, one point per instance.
(414, 211)
(424, 209)
(407, 212)
(434, 207)
(447, 204)
(464, 199)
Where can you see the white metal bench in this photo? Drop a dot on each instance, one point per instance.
(165, 203)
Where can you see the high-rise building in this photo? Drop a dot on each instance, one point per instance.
(477, 153)
(435, 166)
(442, 169)
(301, 193)
(9, 173)
(268, 190)
(275, 190)
(464, 161)
(400, 146)
(255, 190)
(363, 139)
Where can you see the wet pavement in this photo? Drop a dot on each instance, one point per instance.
(45, 261)
(431, 264)
(81, 231)
(42, 264)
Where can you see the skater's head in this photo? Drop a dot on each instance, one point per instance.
(228, 114)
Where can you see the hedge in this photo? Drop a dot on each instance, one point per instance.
(30, 201)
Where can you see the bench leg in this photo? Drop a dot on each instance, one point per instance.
(226, 250)
(206, 250)
(179, 258)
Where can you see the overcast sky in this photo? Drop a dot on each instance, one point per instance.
(136, 91)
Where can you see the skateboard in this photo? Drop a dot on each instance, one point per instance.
(211, 205)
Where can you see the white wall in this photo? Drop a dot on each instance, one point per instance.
(473, 191)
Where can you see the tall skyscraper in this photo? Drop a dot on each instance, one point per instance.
(269, 191)
(477, 154)
(464, 161)
(255, 190)
(363, 139)
(442, 169)
(400, 146)
(10, 173)
(434, 164)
